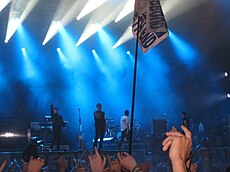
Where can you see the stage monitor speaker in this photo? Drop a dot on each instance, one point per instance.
(159, 127)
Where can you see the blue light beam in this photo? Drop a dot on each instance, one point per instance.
(185, 52)
(100, 63)
(63, 58)
(28, 52)
(29, 70)
(72, 53)
(113, 58)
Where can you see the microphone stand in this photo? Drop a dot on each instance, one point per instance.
(80, 129)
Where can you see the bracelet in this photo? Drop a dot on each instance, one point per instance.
(136, 169)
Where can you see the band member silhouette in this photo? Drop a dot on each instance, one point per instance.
(57, 124)
(100, 125)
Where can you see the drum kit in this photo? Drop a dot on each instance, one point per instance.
(113, 130)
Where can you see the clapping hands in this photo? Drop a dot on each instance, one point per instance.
(180, 147)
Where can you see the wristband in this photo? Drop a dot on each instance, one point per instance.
(136, 169)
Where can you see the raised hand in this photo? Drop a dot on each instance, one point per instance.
(35, 165)
(115, 165)
(2, 166)
(96, 162)
(179, 146)
(127, 161)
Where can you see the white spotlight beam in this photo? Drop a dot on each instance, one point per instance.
(174, 8)
(4, 3)
(89, 7)
(127, 35)
(89, 30)
(71, 14)
(12, 26)
(29, 7)
(65, 12)
(18, 12)
(128, 8)
(99, 18)
(54, 27)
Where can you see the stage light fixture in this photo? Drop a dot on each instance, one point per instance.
(7, 134)
(23, 49)
(128, 52)
(58, 49)
(105, 139)
(228, 95)
(11, 135)
(226, 74)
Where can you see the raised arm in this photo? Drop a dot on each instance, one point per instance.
(51, 108)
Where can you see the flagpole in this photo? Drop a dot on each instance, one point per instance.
(134, 89)
(150, 38)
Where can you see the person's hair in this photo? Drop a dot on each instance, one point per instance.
(183, 113)
(126, 112)
(30, 150)
(56, 108)
(98, 104)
